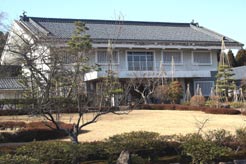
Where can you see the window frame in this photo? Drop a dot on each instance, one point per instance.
(103, 63)
(181, 57)
(151, 51)
(210, 57)
(67, 60)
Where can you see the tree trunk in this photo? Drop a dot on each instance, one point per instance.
(74, 138)
(73, 134)
(145, 100)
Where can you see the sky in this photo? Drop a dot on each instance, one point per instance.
(226, 17)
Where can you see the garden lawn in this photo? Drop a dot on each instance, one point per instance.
(165, 122)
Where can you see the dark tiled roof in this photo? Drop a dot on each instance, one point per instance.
(11, 84)
(126, 30)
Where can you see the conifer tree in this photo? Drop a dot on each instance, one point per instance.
(231, 59)
(225, 83)
(241, 57)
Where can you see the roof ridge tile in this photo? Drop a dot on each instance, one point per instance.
(101, 21)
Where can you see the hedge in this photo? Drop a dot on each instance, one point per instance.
(13, 112)
(222, 111)
(156, 106)
(143, 146)
(32, 131)
(28, 103)
(188, 108)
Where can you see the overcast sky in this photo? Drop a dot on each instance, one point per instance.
(223, 16)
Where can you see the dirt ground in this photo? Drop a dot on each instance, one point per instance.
(165, 122)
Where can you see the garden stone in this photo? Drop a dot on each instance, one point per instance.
(123, 158)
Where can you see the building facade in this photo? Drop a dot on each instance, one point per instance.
(184, 51)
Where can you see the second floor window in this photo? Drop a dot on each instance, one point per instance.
(104, 58)
(202, 58)
(140, 61)
(63, 55)
(176, 55)
(68, 58)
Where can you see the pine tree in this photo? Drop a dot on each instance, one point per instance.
(225, 82)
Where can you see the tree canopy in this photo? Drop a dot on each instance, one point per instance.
(224, 82)
(241, 57)
(3, 38)
(231, 59)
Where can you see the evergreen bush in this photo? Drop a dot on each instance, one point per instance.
(18, 159)
(201, 150)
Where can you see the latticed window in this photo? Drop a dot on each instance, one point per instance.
(140, 61)
(68, 58)
(176, 55)
(202, 58)
(63, 55)
(104, 58)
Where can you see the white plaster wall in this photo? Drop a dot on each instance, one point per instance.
(186, 69)
(14, 41)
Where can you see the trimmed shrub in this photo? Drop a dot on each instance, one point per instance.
(237, 104)
(64, 152)
(197, 100)
(213, 102)
(201, 150)
(241, 137)
(132, 141)
(93, 151)
(220, 137)
(18, 159)
(45, 151)
(144, 147)
(145, 144)
(37, 135)
(136, 159)
(222, 111)
(31, 135)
